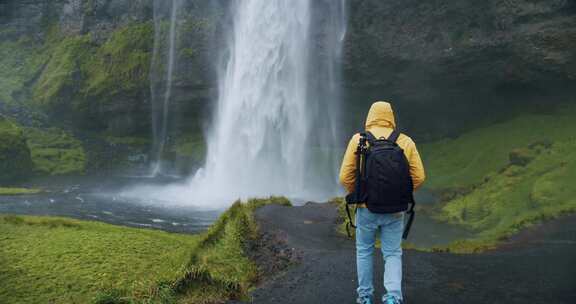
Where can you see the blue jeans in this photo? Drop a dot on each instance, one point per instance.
(391, 228)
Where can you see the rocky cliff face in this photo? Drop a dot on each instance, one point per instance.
(89, 61)
(444, 62)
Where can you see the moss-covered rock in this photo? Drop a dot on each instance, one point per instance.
(55, 152)
(465, 161)
(121, 65)
(536, 184)
(15, 160)
(62, 74)
(97, 86)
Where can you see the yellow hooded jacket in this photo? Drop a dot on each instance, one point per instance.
(380, 122)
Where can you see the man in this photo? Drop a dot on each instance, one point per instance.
(380, 122)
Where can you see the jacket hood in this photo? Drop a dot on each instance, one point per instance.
(380, 115)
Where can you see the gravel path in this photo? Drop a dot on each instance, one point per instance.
(538, 266)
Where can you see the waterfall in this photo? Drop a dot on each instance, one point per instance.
(161, 88)
(275, 121)
(277, 105)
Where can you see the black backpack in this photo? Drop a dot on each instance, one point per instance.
(383, 180)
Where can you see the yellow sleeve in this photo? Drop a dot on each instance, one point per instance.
(348, 168)
(416, 166)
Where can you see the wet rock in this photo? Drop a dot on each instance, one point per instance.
(453, 60)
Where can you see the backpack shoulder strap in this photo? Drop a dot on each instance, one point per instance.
(394, 136)
(370, 136)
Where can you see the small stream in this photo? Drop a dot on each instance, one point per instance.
(100, 199)
(97, 198)
(428, 232)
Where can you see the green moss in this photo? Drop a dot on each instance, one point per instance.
(15, 159)
(465, 246)
(121, 64)
(519, 196)
(464, 161)
(62, 74)
(55, 152)
(192, 147)
(80, 76)
(220, 261)
(515, 174)
(128, 141)
(343, 220)
(18, 191)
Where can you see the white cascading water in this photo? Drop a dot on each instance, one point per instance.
(274, 126)
(258, 145)
(264, 131)
(161, 91)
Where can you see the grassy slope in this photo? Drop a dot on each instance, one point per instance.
(54, 260)
(497, 196)
(483, 151)
(18, 191)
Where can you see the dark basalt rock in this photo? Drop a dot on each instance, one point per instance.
(445, 64)
(456, 60)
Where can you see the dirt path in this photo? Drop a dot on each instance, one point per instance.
(538, 266)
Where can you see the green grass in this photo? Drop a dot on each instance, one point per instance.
(57, 260)
(505, 177)
(18, 191)
(464, 161)
(343, 220)
(520, 195)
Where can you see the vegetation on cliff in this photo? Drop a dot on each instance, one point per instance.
(505, 177)
(15, 160)
(62, 74)
(121, 66)
(55, 152)
(56, 260)
(82, 77)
